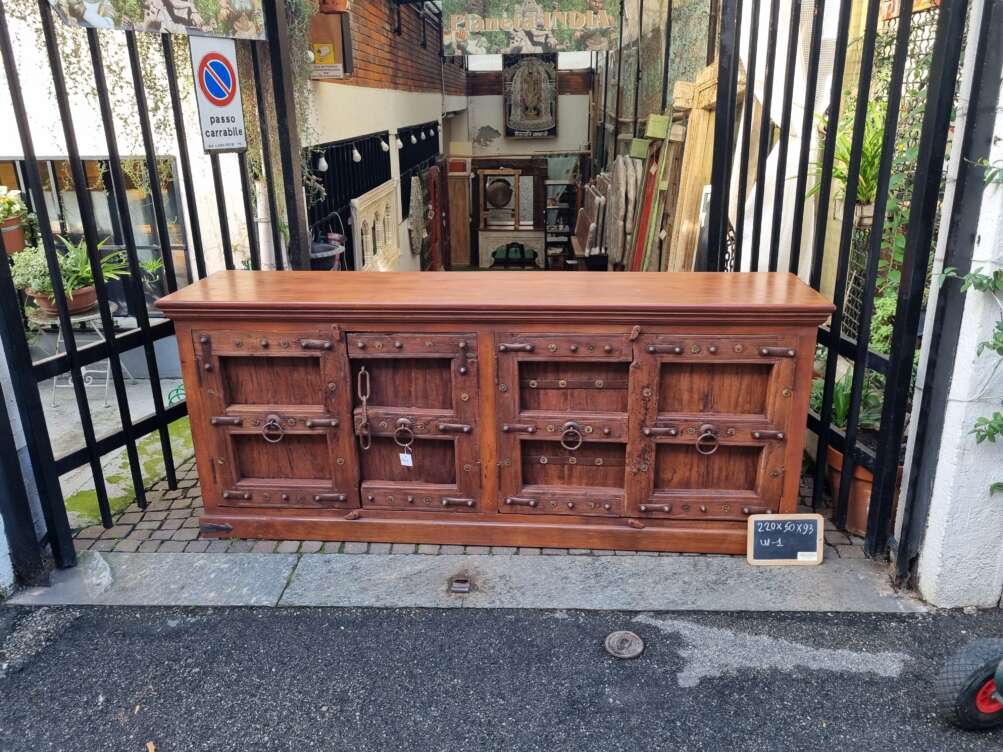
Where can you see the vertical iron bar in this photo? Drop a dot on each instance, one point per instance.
(152, 169)
(15, 510)
(257, 62)
(727, 77)
(186, 164)
(605, 114)
(765, 129)
(289, 143)
(743, 163)
(637, 66)
(966, 205)
(59, 293)
(829, 150)
(224, 223)
(247, 185)
(785, 135)
(619, 86)
(874, 255)
(132, 257)
(944, 64)
(804, 159)
(667, 55)
(94, 252)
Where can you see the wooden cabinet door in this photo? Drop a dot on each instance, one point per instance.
(415, 420)
(562, 412)
(713, 416)
(280, 417)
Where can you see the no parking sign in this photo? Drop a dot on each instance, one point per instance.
(217, 90)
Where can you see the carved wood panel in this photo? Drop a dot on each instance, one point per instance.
(374, 228)
(713, 413)
(279, 417)
(415, 403)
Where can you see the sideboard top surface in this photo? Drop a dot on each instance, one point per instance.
(738, 297)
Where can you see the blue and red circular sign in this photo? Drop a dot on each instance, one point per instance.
(217, 79)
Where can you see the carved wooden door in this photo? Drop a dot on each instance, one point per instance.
(711, 434)
(562, 412)
(280, 417)
(415, 420)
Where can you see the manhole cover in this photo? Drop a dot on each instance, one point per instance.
(624, 644)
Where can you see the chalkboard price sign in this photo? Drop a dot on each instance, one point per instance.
(785, 539)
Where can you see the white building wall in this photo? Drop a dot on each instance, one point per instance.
(961, 562)
(479, 132)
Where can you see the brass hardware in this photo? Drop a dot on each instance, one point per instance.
(703, 508)
(361, 345)
(646, 392)
(519, 501)
(236, 495)
(573, 348)
(562, 383)
(521, 427)
(272, 431)
(571, 437)
(712, 349)
(207, 366)
(575, 383)
(502, 388)
(378, 345)
(362, 388)
(707, 442)
(332, 387)
(607, 348)
(730, 432)
(776, 472)
(454, 427)
(664, 508)
(321, 422)
(606, 432)
(756, 510)
(694, 349)
(589, 429)
(462, 344)
(398, 344)
(739, 347)
(779, 435)
(552, 347)
(782, 352)
(284, 344)
(449, 501)
(571, 505)
(659, 431)
(404, 433)
(600, 383)
(464, 397)
(340, 460)
(321, 498)
(516, 347)
(315, 344)
(533, 383)
(225, 420)
(204, 339)
(607, 506)
(463, 370)
(787, 392)
(263, 343)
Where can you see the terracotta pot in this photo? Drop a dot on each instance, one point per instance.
(13, 234)
(82, 301)
(860, 490)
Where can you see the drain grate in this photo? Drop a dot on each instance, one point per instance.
(624, 644)
(459, 584)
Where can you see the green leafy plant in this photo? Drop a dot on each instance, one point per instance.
(870, 151)
(869, 418)
(11, 204)
(30, 271)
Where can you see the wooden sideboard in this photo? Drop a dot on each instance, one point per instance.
(646, 411)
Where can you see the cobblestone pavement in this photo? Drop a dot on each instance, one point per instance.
(170, 523)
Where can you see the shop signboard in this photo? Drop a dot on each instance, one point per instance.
(519, 27)
(237, 19)
(217, 91)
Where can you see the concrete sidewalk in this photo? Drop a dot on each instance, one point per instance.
(691, 583)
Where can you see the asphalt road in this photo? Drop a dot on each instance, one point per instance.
(94, 679)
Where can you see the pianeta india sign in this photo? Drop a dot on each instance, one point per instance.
(525, 26)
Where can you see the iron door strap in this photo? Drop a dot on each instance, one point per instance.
(363, 388)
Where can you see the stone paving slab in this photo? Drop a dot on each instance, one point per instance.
(166, 579)
(643, 583)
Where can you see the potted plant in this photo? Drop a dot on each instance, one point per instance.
(31, 274)
(869, 420)
(870, 158)
(12, 214)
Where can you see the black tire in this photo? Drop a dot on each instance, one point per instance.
(963, 675)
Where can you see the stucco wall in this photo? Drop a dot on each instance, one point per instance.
(961, 563)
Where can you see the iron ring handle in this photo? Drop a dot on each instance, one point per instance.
(707, 441)
(272, 431)
(572, 438)
(403, 434)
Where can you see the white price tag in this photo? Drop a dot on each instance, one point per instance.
(406, 459)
